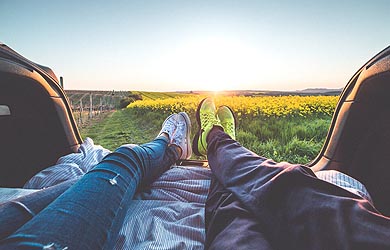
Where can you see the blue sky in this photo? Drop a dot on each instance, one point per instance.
(198, 45)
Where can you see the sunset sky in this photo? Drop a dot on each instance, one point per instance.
(197, 45)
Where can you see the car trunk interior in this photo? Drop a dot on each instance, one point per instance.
(358, 141)
(35, 124)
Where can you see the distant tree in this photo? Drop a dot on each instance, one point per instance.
(131, 98)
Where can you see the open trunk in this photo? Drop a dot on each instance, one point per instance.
(36, 122)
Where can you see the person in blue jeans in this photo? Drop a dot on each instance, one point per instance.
(90, 213)
(256, 203)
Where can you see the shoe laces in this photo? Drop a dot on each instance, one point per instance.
(208, 119)
(229, 126)
(169, 127)
(179, 131)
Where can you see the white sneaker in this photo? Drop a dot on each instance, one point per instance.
(181, 136)
(169, 126)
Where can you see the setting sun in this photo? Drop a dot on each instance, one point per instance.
(212, 63)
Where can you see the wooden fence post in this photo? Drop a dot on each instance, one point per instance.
(90, 106)
(81, 111)
(101, 105)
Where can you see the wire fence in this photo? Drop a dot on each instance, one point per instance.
(87, 105)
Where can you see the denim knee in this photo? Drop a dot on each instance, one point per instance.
(130, 146)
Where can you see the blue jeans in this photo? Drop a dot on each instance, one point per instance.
(90, 213)
(17, 212)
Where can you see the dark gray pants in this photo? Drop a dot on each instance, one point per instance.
(255, 203)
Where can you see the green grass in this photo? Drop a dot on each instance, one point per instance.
(121, 127)
(293, 139)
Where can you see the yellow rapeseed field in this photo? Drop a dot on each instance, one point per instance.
(247, 107)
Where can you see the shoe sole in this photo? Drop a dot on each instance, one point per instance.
(188, 123)
(195, 145)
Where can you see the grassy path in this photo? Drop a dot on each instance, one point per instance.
(120, 127)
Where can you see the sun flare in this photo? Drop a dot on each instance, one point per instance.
(213, 63)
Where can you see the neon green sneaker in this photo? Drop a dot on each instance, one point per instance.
(228, 120)
(206, 119)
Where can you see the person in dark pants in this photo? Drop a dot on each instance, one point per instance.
(90, 213)
(256, 203)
